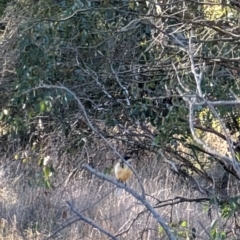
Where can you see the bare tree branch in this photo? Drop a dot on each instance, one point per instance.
(90, 222)
(207, 148)
(198, 79)
(92, 127)
(148, 206)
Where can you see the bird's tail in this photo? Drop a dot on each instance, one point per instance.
(118, 191)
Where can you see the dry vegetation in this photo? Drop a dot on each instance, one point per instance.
(32, 212)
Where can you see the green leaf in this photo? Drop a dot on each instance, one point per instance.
(184, 224)
(40, 162)
(47, 184)
(42, 106)
(160, 229)
(157, 140)
(47, 172)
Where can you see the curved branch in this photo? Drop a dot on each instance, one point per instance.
(140, 198)
(82, 108)
(90, 222)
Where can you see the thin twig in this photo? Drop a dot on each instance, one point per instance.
(90, 221)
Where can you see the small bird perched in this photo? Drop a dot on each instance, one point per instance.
(122, 171)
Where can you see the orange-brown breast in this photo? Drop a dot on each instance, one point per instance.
(122, 174)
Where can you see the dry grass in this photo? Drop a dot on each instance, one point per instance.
(32, 212)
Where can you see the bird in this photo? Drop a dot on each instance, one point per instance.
(122, 172)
